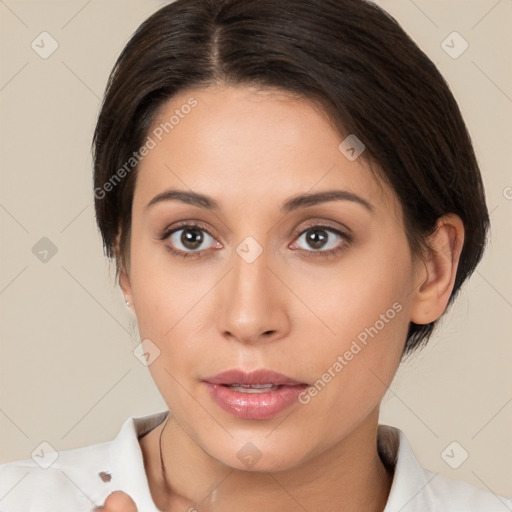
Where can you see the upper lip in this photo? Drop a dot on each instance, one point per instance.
(262, 376)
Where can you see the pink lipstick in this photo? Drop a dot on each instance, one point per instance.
(259, 395)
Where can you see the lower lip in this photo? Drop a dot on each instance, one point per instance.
(255, 406)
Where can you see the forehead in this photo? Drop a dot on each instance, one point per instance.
(257, 144)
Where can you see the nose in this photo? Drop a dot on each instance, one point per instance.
(253, 302)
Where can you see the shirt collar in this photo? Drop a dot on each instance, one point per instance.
(409, 489)
(127, 462)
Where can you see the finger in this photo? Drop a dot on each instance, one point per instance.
(119, 501)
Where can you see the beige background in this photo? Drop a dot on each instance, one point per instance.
(67, 372)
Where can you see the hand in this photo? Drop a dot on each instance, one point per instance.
(118, 501)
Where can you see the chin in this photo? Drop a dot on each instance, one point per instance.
(257, 458)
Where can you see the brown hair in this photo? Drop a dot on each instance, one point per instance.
(348, 55)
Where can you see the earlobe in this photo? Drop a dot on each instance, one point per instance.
(123, 274)
(438, 270)
(125, 285)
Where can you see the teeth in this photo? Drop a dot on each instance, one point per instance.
(253, 388)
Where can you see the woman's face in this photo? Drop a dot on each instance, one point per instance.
(320, 291)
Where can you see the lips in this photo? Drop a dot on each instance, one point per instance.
(258, 377)
(258, 395)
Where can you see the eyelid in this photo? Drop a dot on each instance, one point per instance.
(191, 223)
(342, 232)
(168, 231)
(324, 223)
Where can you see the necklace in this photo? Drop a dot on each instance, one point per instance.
(162, 464)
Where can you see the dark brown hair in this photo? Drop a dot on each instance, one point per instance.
(350, 56)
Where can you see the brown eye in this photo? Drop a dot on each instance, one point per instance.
(321, 241)
(188, 240)
(320, 238)
(191, 238)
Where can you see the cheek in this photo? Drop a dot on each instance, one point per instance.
(164, 290)
(365, 312)
(170, 300)
(365, 297)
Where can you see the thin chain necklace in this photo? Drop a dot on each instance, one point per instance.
(162, 464)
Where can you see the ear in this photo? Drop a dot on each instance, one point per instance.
(436, 274)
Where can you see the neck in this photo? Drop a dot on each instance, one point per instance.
(348, 477)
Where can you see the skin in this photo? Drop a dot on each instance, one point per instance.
(251, 150)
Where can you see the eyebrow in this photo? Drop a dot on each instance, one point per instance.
(295, 203)
(305, 200)
(193, 198)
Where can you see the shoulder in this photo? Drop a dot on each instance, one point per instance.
(80, 479)
(456, 496)
(55, 480)
(415, 488)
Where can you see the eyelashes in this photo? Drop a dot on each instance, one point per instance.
(184, 227)
(322, 232)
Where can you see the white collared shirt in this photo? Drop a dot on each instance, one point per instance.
(78, 480)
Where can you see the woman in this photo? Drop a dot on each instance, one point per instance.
(292, 201)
